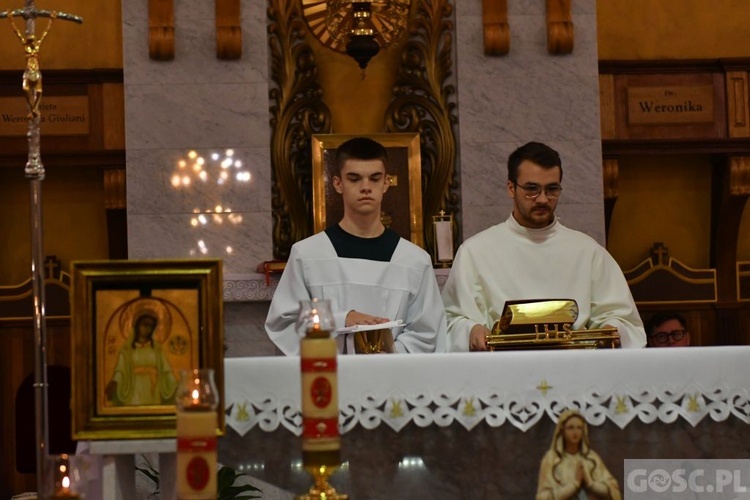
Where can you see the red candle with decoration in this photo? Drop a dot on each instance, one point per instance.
(197, 422)
(321, 443)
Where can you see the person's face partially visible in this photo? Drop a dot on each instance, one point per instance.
(671, 333)
(362, 185)
(534, 212)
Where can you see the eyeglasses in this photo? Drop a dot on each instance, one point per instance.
(663, 337)
(532, 191)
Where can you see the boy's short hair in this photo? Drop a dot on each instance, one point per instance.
(359, 148)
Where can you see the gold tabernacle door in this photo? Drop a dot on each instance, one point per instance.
(546, 324)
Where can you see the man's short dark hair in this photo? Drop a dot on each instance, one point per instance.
(660, 318)
(359, 148)
(535, 152)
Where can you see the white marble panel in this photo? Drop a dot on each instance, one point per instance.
(486, 166)
(487, 162)
(244, 331)
(151, 177)
(173, 236)
(585, 217)
(195, 53)
(523, 96)
(476, 219)
(582, 169)
(196, 116)
(133, 12)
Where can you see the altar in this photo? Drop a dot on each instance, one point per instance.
(476, 425)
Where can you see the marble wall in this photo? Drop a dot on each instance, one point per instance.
(213, 108)
(504, 102)
(199, 103)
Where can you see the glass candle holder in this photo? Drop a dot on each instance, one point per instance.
(197, 421)
(65, 478)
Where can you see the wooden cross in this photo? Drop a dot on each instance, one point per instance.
(660, 253)
(52, 265)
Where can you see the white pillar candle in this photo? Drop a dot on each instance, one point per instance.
(444, 237)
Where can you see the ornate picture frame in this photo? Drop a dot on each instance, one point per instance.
(402, 203)
(135, 325)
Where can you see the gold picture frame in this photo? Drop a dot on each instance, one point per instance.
(404, 170)
(125, 367)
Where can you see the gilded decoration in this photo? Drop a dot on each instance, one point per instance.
(297, 112)
(423, 103)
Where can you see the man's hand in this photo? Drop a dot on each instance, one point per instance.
(617, 341)
(478, 338)
(358, 318)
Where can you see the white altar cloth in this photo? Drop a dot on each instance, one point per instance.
(516, 388)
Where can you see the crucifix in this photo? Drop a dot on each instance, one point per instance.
(32, 88)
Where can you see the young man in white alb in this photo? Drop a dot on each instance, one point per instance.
(533, 256)
(369, 273)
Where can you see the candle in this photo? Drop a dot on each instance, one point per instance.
(196, 436)
(321, 442)
(320, 410)
(444, 237)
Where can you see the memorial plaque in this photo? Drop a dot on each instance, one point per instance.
(670, 105)
(59, 115)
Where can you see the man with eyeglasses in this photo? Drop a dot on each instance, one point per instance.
(667, 330)
(533, 256)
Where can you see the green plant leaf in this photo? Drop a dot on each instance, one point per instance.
(226, 478)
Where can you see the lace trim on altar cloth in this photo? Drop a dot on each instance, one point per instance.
(692, 403)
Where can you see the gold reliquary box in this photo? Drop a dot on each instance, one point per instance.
(546, 324)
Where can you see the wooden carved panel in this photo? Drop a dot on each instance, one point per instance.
(607, 106)
(739, 175)
(737, 104)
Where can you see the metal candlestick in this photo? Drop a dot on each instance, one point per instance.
(32, 88)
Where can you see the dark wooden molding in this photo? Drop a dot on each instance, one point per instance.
(666, 66)
(70, 160)
(65, 77)
(615, 148)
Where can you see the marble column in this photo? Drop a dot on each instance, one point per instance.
(528, 95)
(197, 135)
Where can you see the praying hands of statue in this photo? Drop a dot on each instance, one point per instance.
(32, 75)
